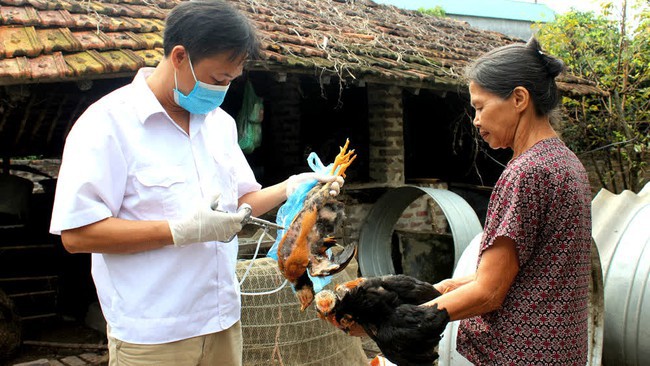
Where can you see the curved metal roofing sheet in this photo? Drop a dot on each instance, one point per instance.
(622, 234)
(375, 237)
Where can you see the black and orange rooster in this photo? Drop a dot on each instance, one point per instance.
(303, 246)
(387, 309)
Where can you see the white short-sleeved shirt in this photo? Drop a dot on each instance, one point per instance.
(126, 158)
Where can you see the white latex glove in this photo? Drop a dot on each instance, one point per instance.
(206, 225)
(295, 181)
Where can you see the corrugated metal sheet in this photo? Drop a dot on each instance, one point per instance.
(621, 229)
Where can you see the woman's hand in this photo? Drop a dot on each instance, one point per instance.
(451, 284)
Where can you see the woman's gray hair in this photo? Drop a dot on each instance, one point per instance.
(503, 69)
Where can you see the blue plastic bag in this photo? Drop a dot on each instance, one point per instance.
(290, 209)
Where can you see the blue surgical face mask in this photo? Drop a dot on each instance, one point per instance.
(203, 98)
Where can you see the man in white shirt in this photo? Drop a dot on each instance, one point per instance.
(140, 171)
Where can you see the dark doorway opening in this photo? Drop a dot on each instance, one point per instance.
(441, 143)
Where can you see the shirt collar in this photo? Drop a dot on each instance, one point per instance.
(147, 104)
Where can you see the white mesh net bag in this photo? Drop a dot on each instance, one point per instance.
(276, 332)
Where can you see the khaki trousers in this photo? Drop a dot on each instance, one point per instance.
(217, 349)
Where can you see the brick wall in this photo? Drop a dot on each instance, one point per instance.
(424, 215)
(285, 157)
(386, 125)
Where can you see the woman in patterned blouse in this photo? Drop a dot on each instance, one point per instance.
(527, 303)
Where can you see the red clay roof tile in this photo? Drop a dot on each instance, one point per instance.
(85, 21)
(51, 4)
(13, 69)
(93, 40)
(49, 67)
(88, 6)
(19, 15)
(58, 39)
(55, 18)
(123, 40)
(102, 22)
(152, 40)
(148, 11)
(14, 2)
(87, 62)
(150, 25)
(274, 56)
(19, 41)
(119, 10)
(150, 57)
(121, 23)
(162, 4)
(123, 60)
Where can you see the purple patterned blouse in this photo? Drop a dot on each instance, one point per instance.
(542, 201)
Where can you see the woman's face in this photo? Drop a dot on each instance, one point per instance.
(496, 118)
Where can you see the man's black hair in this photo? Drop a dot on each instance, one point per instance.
(210, 27)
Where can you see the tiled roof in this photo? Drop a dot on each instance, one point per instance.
(55, 40)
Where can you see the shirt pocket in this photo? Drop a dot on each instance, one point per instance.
(225, 178)
(161, 191)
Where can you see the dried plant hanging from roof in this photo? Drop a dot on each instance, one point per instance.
(361, 39)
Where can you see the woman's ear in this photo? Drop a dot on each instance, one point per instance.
(521, 98)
